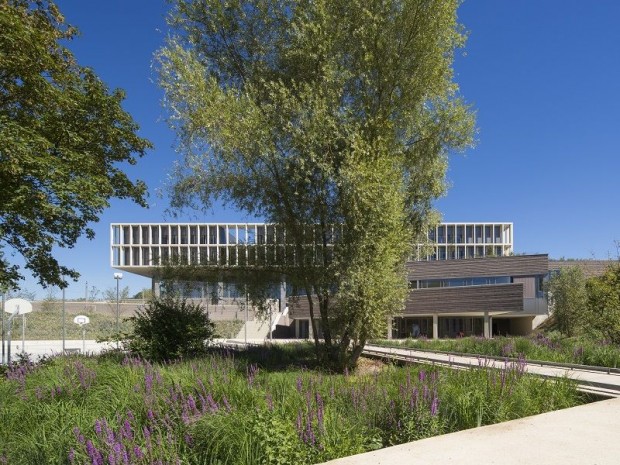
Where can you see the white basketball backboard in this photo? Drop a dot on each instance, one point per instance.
(17, 306)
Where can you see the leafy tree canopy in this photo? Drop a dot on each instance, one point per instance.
(567, 293)
(332, 119)
(62, 136)
(604, 303)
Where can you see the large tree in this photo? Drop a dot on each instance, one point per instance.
(568, 299)
(604, 303)
(63, 135)
(332, 119)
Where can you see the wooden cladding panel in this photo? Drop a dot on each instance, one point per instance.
(496, 298)
(529, 286)
(492, 298)
(590, 268)
(518, 265)
(300, 308)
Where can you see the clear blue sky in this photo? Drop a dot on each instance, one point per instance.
(543, 76)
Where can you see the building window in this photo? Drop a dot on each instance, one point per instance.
(116, 234)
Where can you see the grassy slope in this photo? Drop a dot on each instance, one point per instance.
(47, 325)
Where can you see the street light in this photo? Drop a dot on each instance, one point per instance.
(118, 277)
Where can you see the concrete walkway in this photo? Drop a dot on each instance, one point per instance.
(582, 435)
(599, 381)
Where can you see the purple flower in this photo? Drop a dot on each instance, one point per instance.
(299, 423)
(98, 427)
(319, 411)
(191, 404)
(126, 430)
(93, 453)
(148, 382)
(435, 406)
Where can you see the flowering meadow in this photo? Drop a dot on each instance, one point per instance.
(538, 346)
(252, 407)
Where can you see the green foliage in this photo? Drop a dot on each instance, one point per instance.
(109, 294)
(568, 299)
(146, 293)
(47, 325)
(226, 409)
(62, 135)
(331, 119)
(552, 347)
(227, 329)
(168, 328)
(604, 303)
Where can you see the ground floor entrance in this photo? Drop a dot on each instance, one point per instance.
(447, 327)
(460, 327)
(412, 327)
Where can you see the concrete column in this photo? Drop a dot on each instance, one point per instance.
(487, 322)
(435, 326)
(389, 327)
(282, 294)
(155, 287)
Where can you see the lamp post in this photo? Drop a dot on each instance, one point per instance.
(118, 277)
(64, 329)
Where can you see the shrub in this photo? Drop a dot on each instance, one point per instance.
(168, 328)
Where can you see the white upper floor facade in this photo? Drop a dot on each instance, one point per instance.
(141, 247)
(452, 241)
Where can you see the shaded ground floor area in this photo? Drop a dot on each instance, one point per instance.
(424, 327)
(459, 326)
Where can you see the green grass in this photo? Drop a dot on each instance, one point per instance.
(553, 347)
(256, 407)
(47, 325)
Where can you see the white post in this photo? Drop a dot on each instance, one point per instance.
(2, 309)
(486, 325)
(435, 326)
(64, 331)
(118, 277)
(270, 322)
(23, 333)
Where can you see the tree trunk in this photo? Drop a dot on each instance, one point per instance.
(317, 347)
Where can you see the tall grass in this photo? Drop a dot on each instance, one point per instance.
(553, 347)
(246, 408)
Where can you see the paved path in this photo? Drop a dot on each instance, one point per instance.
(597, 381)
(582, 435)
